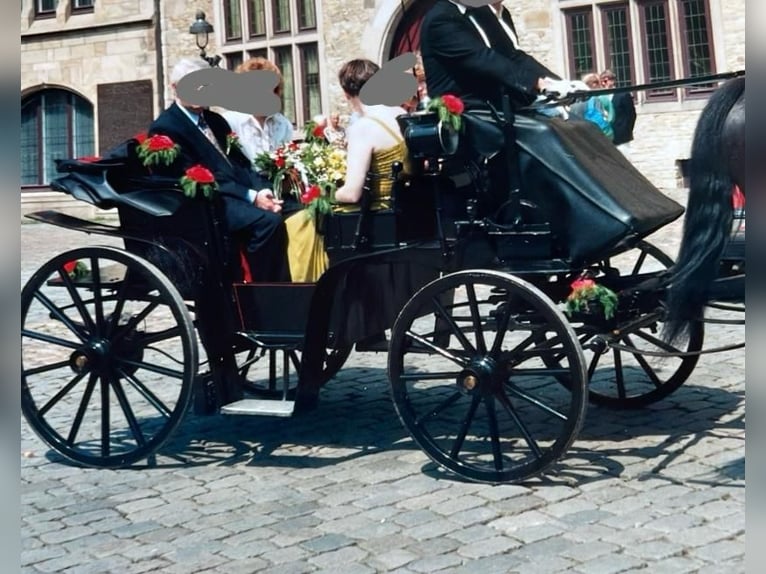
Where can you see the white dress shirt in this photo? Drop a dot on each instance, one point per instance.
(256, 138)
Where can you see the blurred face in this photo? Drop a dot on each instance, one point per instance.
(334, 120)
(608, 82)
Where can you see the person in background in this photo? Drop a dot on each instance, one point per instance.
(598, 109)
(624, 113)
(256, 133)
(334, 132)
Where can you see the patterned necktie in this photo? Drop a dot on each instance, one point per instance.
(202, 125)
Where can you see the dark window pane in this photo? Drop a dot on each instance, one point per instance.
(618, 43)
(56, 131)
(233, 60)
(580, 29)
(257, 17)
(283, 58)
(30, 132)
(281, 12)
(83, 134)
(46, 6)
(657, 48)
(699, 61)
(307, 16)
(260, 53)
(232, 15)
(312, 99)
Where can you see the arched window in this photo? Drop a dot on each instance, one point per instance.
(55, 124)
(407, 35)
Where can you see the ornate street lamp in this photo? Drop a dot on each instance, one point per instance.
(201, 30)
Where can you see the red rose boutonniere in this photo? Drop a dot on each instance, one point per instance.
(158, 149)
(198, 178)
(449, 108)
(232, 141)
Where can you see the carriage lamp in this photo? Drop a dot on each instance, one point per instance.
(202, 29)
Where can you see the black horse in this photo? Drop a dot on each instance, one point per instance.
(717, 168)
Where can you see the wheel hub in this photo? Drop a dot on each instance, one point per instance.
(92, 357)
(480, 376)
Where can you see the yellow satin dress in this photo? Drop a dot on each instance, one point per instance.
(305, 247)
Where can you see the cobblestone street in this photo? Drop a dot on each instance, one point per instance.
(344, 489)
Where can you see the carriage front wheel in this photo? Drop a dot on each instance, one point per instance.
(469, 379)
(108, 356)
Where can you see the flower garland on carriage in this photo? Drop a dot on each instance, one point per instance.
(309, 171)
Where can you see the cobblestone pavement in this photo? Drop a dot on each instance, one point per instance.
(344, 489)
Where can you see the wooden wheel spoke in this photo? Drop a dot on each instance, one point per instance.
(135, 428)
(594, 363)
(453, 326)
(98, 301)
(62, 393)
(647, 368)
(81, 409)
(150, 397)
(296, 361)
(50, 339)
(438, 350)
(502, 327)
(465, 424)
(618, 374)
(133, 322)
(533, 400)
(45, 368)
(151, 338)
(494, 432)
(531, 442)
(658, 342)
(481, 345)
(149, 367)
(105, 418)
(76, 299)
(114, 320)
(434, 412)
(58, 314)
(639, 263)
(540, 372)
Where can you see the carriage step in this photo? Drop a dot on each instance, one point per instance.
(259, 407)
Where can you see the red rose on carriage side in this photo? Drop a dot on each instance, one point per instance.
(198, 178)
(449, 108)
(158, 149)
(453, 104)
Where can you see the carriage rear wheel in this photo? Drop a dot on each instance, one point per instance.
(262, 370)
(632, 379)
(469, 381)
(108, 356)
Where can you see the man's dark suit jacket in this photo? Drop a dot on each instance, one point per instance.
(457, 61)
(234, 177)
(624, 117)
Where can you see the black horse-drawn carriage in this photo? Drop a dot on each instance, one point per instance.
(487, 373)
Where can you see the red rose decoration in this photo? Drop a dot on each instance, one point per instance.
(279, 162)
(159, 143)
(140, 138)
(453, 104)
(311, 193)
(582, 284)
(318, 132)
(198, 177)
(75, 268)
(70, 265)
(157, 149)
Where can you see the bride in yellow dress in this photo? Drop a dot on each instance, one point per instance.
(374, 144)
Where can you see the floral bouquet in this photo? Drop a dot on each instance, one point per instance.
(198, 178)
(586, 294)
(310, 171)
(449, 108)
(157, 149)
(232, 141)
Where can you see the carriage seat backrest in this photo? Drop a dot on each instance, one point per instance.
(410, 217)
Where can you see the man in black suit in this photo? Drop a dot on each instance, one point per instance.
(470, 49)
(250, 208)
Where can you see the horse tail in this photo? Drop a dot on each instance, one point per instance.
(709, 212)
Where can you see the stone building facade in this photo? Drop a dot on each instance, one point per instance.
(115, 55)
